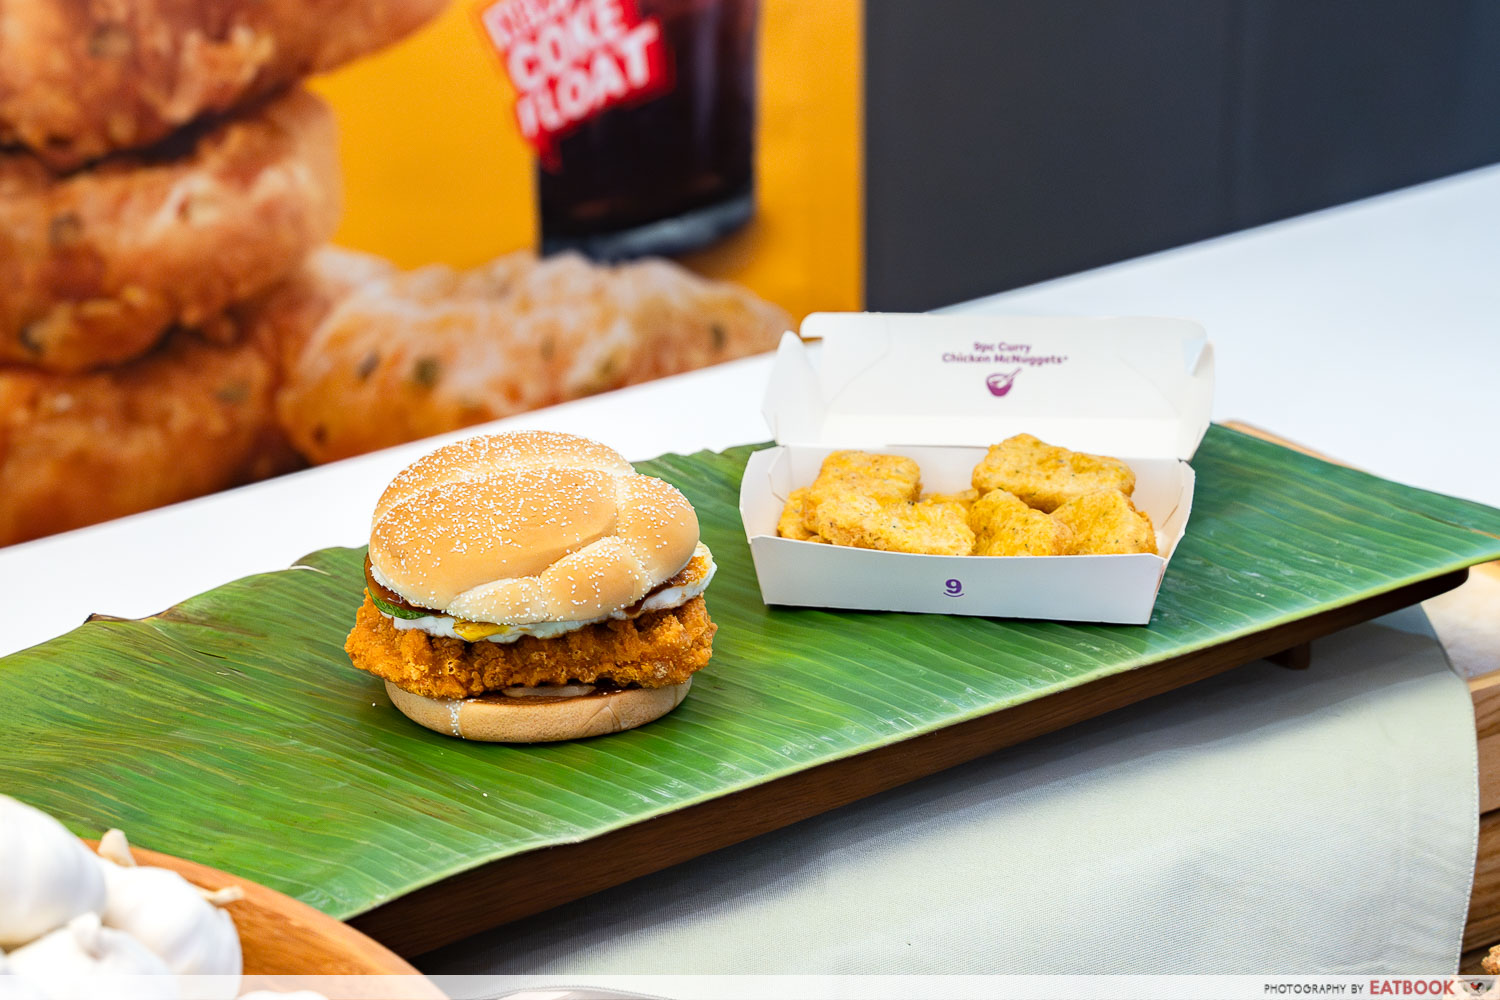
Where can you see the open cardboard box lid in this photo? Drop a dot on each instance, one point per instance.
(1131, 387)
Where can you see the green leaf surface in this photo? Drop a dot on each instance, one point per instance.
(232, 729)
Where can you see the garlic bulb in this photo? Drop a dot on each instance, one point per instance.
(88, 961)
(176, 920)
(47, 876)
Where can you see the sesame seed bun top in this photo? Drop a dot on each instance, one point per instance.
(528, 527)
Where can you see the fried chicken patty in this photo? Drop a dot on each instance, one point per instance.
(657, 649)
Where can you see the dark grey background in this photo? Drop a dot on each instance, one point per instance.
(1010, 141)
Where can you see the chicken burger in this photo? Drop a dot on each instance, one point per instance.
(533, 587)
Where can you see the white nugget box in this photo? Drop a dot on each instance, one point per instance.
(941, 390)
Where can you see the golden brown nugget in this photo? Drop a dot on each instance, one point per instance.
(1107, 523)
(657, 649)
(95, 267)
(425, 352)
(842, 517)
(79, 80)
(832, 508)
(1004, 526)
(188, 419)
(924, 529)
(1044, 476)
(790, 525)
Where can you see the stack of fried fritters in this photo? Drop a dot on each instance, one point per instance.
(159, 169)
(1028, 498)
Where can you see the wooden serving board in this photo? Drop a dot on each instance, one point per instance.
(233, 727)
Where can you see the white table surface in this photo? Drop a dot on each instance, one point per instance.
(1370, 331)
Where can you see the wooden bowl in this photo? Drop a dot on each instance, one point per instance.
(281, 937)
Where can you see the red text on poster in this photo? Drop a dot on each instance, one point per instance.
(571, 59)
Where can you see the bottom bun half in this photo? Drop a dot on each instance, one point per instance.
(497, 718)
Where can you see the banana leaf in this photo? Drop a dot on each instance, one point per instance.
(232, 729)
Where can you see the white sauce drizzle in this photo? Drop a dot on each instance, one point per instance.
(667, 597)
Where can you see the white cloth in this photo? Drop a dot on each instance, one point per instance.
(1263, 821)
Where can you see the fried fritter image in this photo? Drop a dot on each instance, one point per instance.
(790, 524)
(692, 321)
(429, 351)
(658, 649)
(1044, 476)
(1107, 523)
(96, 266)
(79, 80)
(833, 507)
(190, 418)
(283, 319)
(1004, 526)
(927, 529)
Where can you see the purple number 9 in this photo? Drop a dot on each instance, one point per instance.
(954, 588)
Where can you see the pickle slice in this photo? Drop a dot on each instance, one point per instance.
(395, 611)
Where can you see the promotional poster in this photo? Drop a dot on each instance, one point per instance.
(227, 252)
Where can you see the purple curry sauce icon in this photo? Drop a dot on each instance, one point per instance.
(1000, 382)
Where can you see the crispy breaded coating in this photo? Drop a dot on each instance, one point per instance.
(964, 499)
(657, 649)
(1107, 523)
(841, 517)
(1044, 476)
(939, 529)
(790, 524)
(1004, 526)
(849, 477)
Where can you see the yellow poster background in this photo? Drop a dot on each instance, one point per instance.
(435, 169)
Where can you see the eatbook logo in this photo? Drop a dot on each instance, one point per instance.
(1000, 382)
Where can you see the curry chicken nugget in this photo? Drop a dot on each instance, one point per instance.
(1107, 523)
(1004, 526)
(846, 475)
(925, 529)
(790, 525)
(96, 266)
(841, 517)
(1045, 476)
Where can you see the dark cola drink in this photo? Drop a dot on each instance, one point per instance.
(643, 116)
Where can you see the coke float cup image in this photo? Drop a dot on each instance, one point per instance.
(642, 113)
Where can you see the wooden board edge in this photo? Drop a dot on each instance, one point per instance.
(1482, 926)
(1468, 964)
(525, 884)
